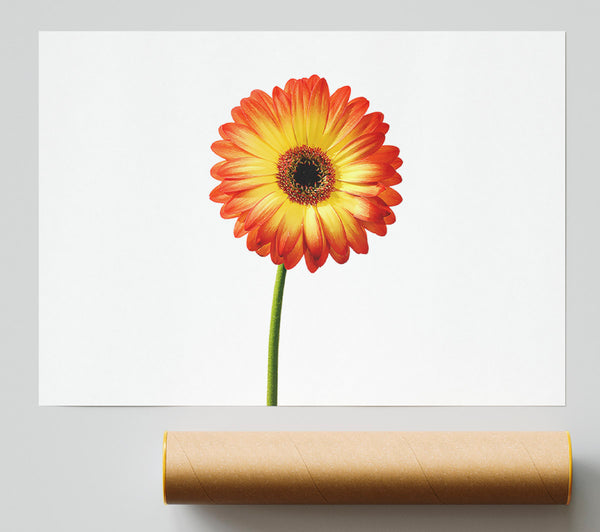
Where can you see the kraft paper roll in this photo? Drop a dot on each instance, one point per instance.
(367, 467)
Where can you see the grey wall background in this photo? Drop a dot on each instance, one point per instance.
(92, 469)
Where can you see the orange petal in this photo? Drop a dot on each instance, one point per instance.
(261, 121)
(357, 238)
(392, 180)
(248, 140)
(214, 171)
(266, 101)
(361, 208)
(340, 258)
(385, 154)
(228, 150)
(264, 209)
(337, 105)
(363, 172)
(293, 257)
(311, 264)
(217, 195)
(275, 257)
(299, 96)
(313, 235)
(390, 197)
(233, 186)
(268, 229)
(318, 108)
(359, 189)
(263, 251)
(238, 116)
(289, 85)
(246, 200)
(238, 228)
(251, 242)
(314, 263)
(290, 227)
(351, 116)
(333, 228)
(246, 167)
(312, 81)
(379, 228)
(283, 108)
(359, 148)
(324, 254)
(383, 128)
(368, 124)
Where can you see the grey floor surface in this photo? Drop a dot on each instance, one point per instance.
(96, 469)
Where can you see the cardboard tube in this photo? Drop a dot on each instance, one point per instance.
(367, 467)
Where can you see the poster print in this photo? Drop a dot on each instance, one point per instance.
(397, 198)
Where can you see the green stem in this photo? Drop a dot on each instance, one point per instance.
(273, 361)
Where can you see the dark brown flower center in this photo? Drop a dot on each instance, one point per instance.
(306, 175)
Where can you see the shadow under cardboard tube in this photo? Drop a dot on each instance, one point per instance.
(410, 518)
(414, 518)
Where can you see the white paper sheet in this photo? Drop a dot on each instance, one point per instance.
(147, 298)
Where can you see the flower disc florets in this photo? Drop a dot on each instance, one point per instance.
(306, 175)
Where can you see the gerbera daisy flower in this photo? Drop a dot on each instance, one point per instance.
(306, 173)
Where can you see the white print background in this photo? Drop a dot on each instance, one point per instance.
(147, 298)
